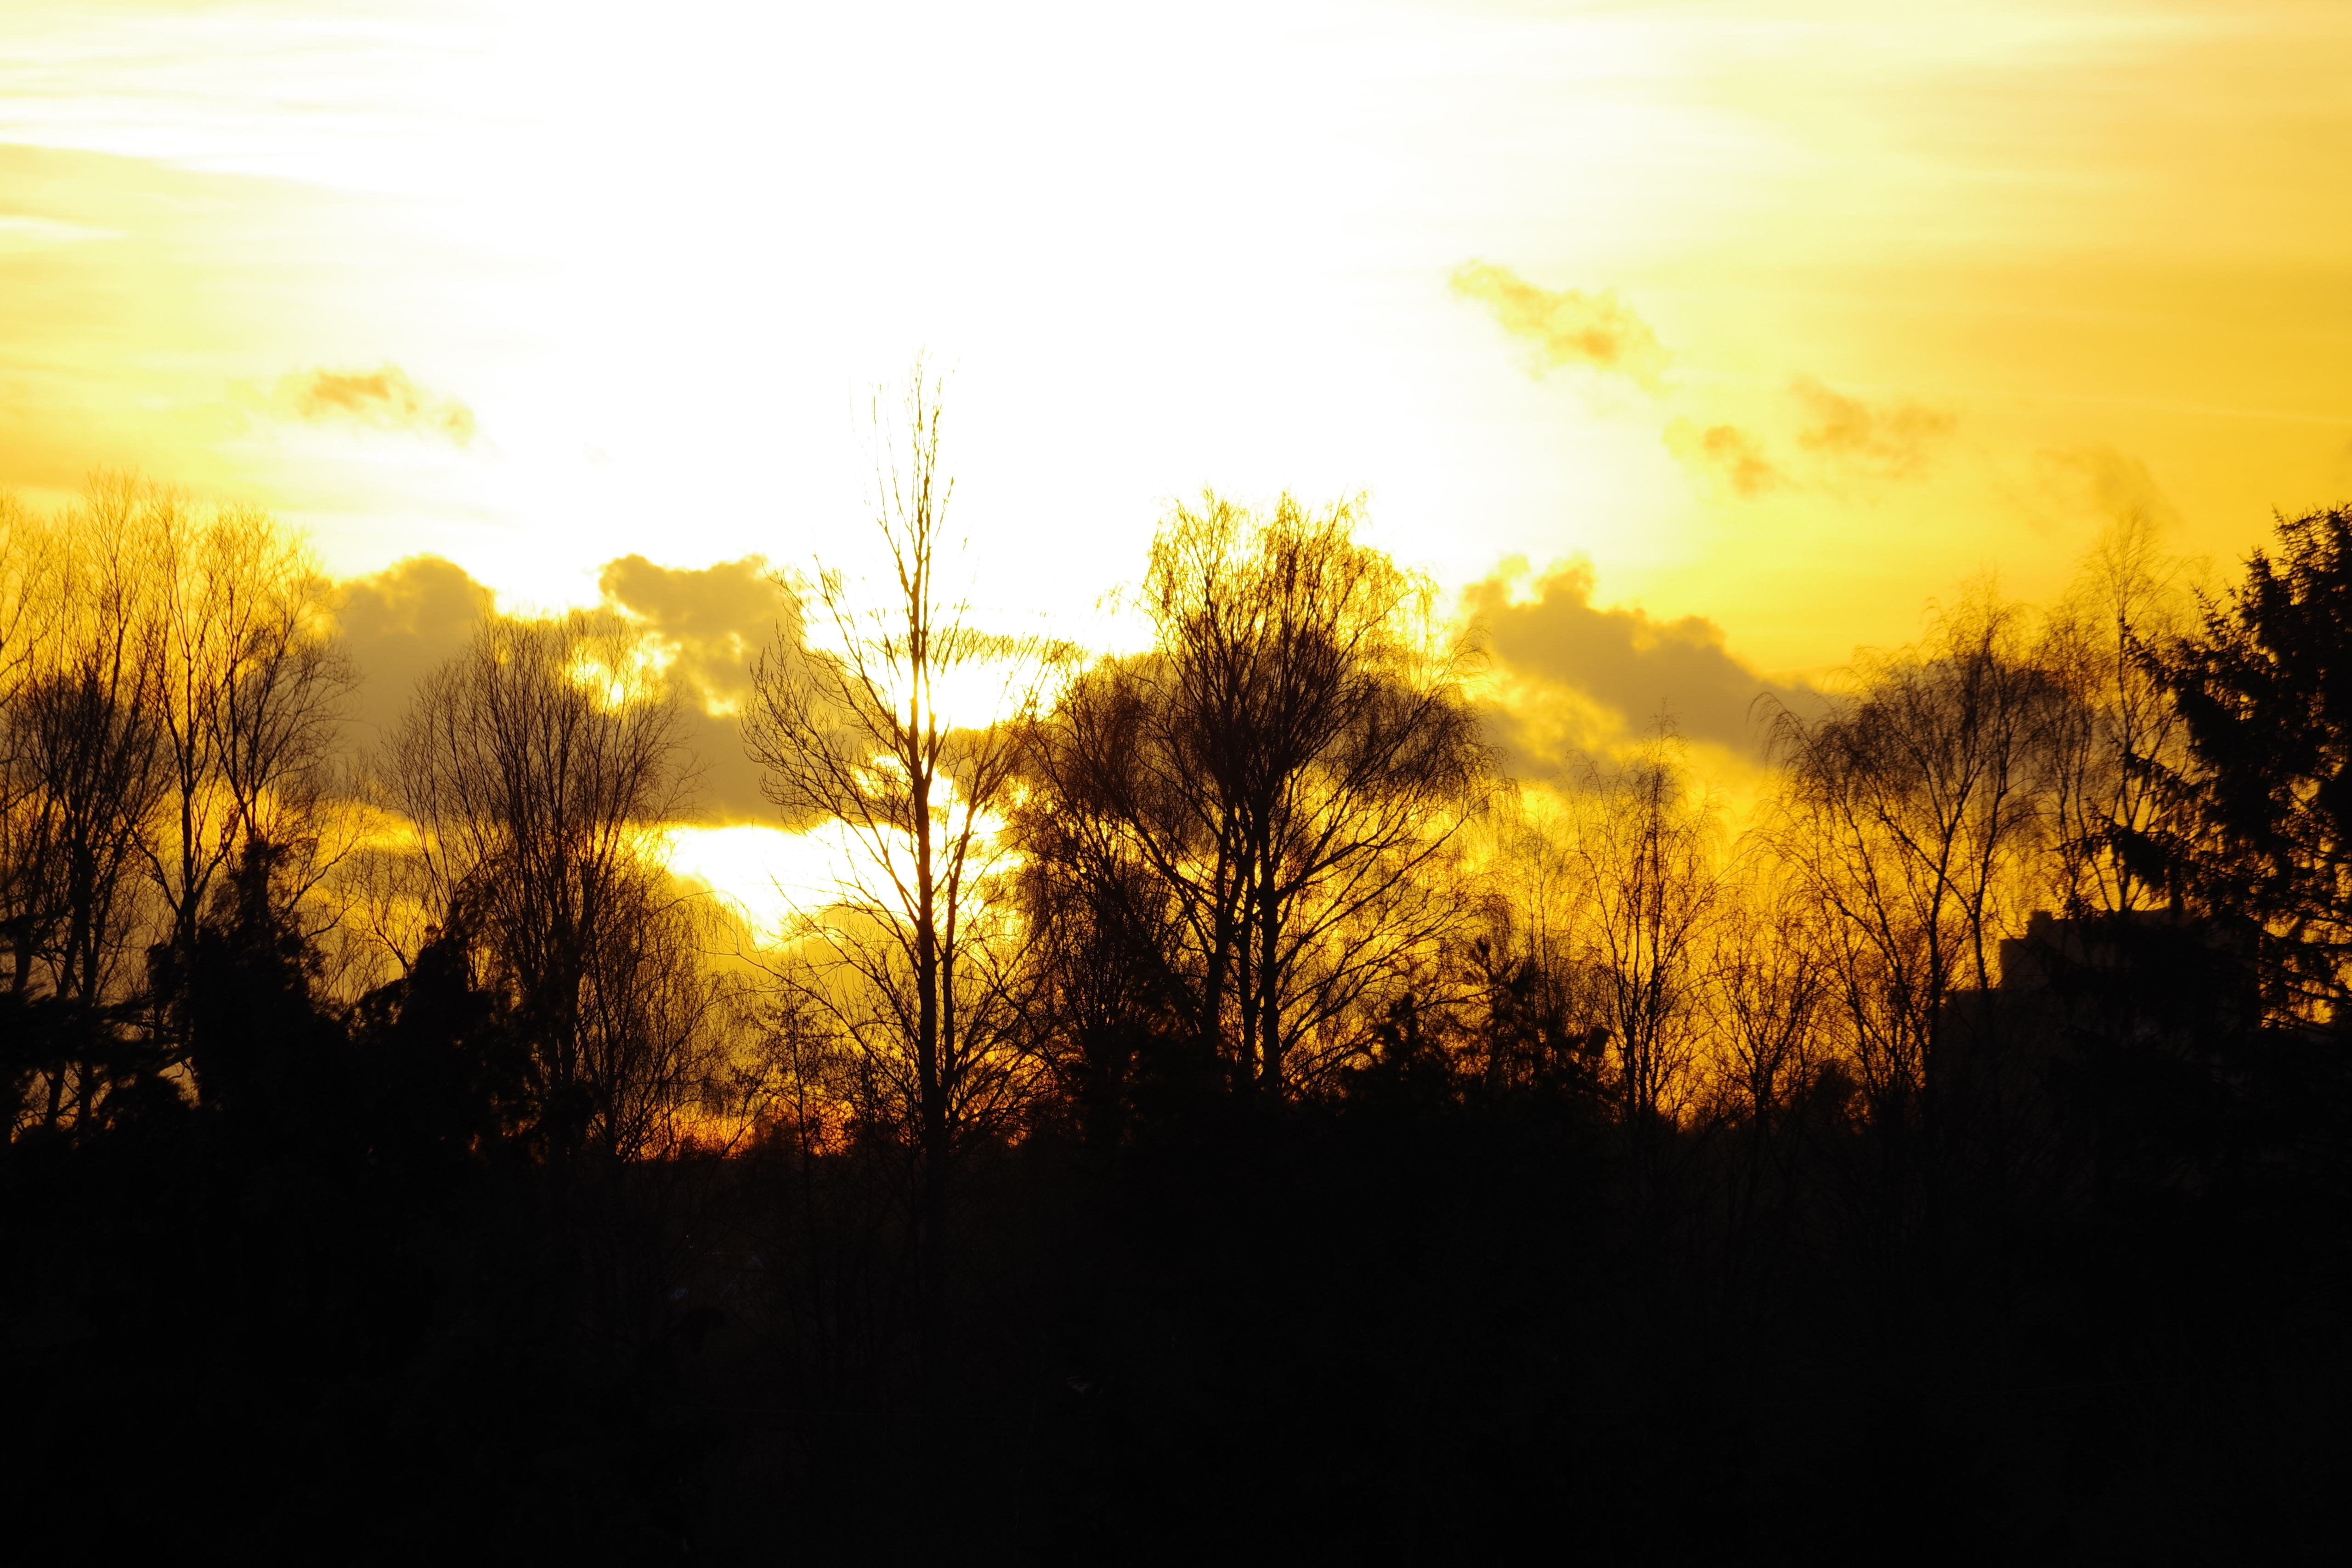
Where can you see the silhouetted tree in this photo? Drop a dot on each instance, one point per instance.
(1648, 841)
(907, 955)
(88, 777)
(2257, 821)
(2119, 724)
(1262, 804)
(538, 767)
(244, 686)
(1917, 811)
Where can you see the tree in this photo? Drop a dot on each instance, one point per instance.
(1766, 990)
(244, 689)
(910, 955)
(2119, 728)
(86, 779)
(2256, 817)
(539, 768)
(28, 614)
(1648, 842)
(254, 690)
(262, 1049)
(1261, 804)
(1915, 810)
(170, 688)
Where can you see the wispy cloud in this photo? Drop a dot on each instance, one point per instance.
(1892, 441)
(1829, 441)
(1729, 456)
(19, 230)
(2109, 484)
(1568, 326)
(382, 399)
(1817, 438)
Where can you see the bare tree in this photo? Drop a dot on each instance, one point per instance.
(2122, 729)
(1917, 811)
(88, 777)
(28, 614)
(1264, 801)
(539, 768)
(1649, 841)
(1917, 815)
(244, 689)
(911, 955)
(1535, 999)
(27, 545)
(1767, 986)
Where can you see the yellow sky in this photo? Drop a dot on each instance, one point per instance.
(1919, 289)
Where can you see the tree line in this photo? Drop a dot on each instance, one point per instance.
(1215, 1105)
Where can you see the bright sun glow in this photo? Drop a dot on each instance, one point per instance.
(531, 287)
(768, 877)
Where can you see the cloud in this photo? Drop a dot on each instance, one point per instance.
(1581, 675)
(1568, 327)
(713, 618)
(1895, 442)
(709, 621)
(401, 624)
(1835, 441)
(2109, 484)
(1728, 455)
(382, 399)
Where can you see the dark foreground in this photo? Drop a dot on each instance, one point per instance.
(2090, 1307)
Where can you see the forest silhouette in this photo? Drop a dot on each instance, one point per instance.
(1219, 1112)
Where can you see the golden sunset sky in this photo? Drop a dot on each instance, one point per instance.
(1750, 328)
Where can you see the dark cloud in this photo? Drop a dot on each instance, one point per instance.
(1567, 326)
(401, 624)
(382, 399)
(1618, 661)
(711, 621)
(404, 622)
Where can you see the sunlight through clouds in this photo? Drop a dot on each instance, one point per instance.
(657, 258)
(775, 880)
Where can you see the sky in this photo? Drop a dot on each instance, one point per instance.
(1691, 345)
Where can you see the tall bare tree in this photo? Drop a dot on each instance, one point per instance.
(910, 954)
(1768, 987)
